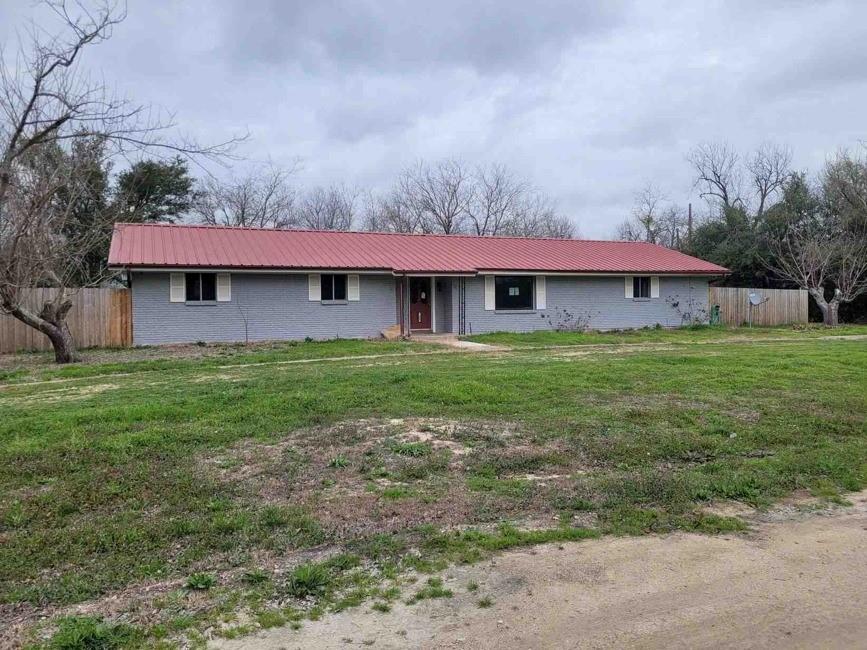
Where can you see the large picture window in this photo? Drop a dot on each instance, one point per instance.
(641, 287)
(513, 291)
(333, 287)
(201, 287)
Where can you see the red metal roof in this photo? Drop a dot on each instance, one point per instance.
(158, 245)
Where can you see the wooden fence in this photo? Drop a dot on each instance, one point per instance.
(99, 317)
(783, 306)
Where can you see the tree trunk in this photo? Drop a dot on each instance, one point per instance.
(51, 321)
(830, 310)
(832, 315)
(62, 341)
(55, 327)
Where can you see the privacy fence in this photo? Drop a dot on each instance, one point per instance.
(778, 307)
(99, 317)
(103, 317)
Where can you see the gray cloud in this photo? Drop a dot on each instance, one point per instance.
(487, 35)
(588, 100)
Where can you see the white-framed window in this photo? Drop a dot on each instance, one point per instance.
(331, 288)
(642, 287)
(515, 293)
(199, 288)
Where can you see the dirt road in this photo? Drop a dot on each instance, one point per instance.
(798, 580)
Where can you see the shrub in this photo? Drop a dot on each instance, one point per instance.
(563, 320)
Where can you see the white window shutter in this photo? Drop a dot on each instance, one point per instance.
(224, 287)
(490, 301)
(314, 287)
(352, 290)
(177, 287)
(541, 298)
(654, 286)
(628, 286)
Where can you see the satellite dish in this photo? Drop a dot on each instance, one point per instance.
(755, 300)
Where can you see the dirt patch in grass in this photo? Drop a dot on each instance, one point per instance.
(614, 349)
(126, 355)
(370, 476)
(64, 394)
(96, 356)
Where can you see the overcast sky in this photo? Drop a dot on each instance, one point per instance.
(588, 100)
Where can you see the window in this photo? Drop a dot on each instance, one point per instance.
(641, 287)
(333, 287)
(201, 287)
(513, 291)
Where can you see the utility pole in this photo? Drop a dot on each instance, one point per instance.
(689, 226)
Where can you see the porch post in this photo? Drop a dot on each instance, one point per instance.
(433, 304)
(400, 309)
(405, 312)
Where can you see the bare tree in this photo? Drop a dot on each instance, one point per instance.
(654, 220)
(717, 173)
(47, 106)
(727, 181)
(39, 243)
(496, 200)
(818, 261)
(440, 193)
(263, 198)
(644, 223)
(446, 198)
(673, 227)
(331, 208)
(536, 216)
(390, 213)
(769, 168)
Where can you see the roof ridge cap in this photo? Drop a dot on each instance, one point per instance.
(206, 226)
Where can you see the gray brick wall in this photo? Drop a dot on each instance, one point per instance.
(601, 297)
(276, 305)
(277, 308)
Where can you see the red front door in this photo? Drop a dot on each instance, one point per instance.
(419, 303)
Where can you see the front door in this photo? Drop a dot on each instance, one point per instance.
(419, 303)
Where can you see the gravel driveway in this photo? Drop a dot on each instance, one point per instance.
(797, 580)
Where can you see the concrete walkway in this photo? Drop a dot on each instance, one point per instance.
(452, 341)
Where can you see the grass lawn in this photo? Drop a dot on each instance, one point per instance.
(697, 334)
(39, 366)
(247, 496)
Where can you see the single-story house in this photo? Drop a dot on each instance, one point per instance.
(211, 283)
